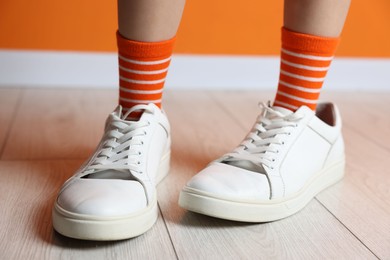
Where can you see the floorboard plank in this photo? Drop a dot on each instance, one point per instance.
(362, 200)
(365, 113)
(28, 190)
(8, 105)
(58, 123)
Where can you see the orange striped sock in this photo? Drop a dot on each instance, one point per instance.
(143, 67)
(305, 60)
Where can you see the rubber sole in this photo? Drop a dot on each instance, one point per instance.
(260, 211)
(103, 229)
(97, 228)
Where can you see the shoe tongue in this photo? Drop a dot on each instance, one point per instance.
(118, 111)
(282, 110)
(134, 115)
(139, 111)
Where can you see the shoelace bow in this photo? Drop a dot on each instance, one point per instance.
(121, 148)
(262, 144)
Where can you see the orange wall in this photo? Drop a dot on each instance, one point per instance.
(208, 27)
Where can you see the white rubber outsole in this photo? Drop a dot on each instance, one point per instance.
(260, 211)
(97, 228)
(104, 229)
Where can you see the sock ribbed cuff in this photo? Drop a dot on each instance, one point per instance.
(145, 50)
(308, 44)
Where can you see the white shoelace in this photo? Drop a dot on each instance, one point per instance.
(262, 144)
(121, 148)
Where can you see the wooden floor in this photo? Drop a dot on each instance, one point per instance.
(46, 134)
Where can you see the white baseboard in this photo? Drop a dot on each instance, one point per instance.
(99, 70)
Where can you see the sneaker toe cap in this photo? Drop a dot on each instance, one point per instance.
(231, 182)
(100, 197)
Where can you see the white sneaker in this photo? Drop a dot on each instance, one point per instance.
(282, 164)
(113, 195)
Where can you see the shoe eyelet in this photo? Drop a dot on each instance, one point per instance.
(289, 133)
(138, 162)
(139, 153)
(142, 142)
(145, 133)
(283, 143)
(277, 151)
(148, 122)
(273, 160)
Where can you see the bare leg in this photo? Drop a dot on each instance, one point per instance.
(316, 17)
(149, 20)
